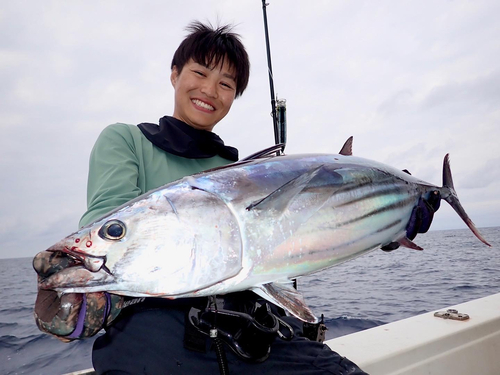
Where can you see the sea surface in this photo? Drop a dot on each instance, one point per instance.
(371, 290)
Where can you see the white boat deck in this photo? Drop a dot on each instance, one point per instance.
(425, 344)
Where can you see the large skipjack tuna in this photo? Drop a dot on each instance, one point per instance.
(255, 224)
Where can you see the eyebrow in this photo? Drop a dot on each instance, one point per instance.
(227, 75)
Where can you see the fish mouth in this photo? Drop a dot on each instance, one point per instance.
(93, 263)
(83, 271)
(77, 278)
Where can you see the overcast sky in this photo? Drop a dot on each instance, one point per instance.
(411, 81)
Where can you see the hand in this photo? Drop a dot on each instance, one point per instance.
(73, 315)
(422, 214)
(420, 219)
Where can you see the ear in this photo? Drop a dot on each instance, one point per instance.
(174, 75)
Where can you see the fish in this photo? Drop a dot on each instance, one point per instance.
(256, 225)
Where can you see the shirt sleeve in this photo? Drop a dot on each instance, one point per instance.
(113, 173)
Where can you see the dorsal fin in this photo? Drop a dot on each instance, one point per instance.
(265, 152)
(347, 147)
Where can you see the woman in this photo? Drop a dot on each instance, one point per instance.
(152, 336)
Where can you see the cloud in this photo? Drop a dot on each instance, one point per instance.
(410, 82)
(485, 175)
(482, 91)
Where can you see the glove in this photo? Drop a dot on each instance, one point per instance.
(422, 214)
(74, 315)
(420, 219)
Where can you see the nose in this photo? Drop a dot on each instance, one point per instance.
(209, 88)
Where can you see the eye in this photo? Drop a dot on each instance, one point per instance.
(227, 85)
(113, 230)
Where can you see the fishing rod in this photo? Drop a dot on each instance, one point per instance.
(278, 106)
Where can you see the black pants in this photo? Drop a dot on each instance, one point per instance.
(151, 342)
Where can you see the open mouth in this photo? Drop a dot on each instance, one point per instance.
(91, 262)
(203, 105)
(76, 279)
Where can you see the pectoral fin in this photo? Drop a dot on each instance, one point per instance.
(287, 297)
(279, 199)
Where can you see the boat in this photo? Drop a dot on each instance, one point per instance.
(461, 340)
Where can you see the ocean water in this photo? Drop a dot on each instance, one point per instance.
(374, 289)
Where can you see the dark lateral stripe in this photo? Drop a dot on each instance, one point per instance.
(387, 227)
(378, 211)
(344, 245)
(350, 186)
(372, 194)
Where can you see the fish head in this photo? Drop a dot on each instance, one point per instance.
(167, 243)
(112, 251)
(88, 248)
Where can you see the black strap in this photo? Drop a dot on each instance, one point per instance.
(194, 340)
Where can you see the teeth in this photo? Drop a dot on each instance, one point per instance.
(203, 104)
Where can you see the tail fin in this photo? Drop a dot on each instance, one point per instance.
(451, 197)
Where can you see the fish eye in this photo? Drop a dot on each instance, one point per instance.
(112, 230)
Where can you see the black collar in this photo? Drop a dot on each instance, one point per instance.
(178, 138)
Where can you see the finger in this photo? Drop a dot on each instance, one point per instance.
(427, 213)
(70, 306)
(57, 315)
(47, 263)
(414, 223)
(47, 305)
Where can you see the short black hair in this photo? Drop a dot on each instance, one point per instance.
(209, 46)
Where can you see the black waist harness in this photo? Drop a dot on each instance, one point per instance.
(246, 323)
(243, 321)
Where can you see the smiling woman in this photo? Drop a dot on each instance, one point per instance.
(209, 70)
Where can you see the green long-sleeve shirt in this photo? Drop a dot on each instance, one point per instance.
(125, 164)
